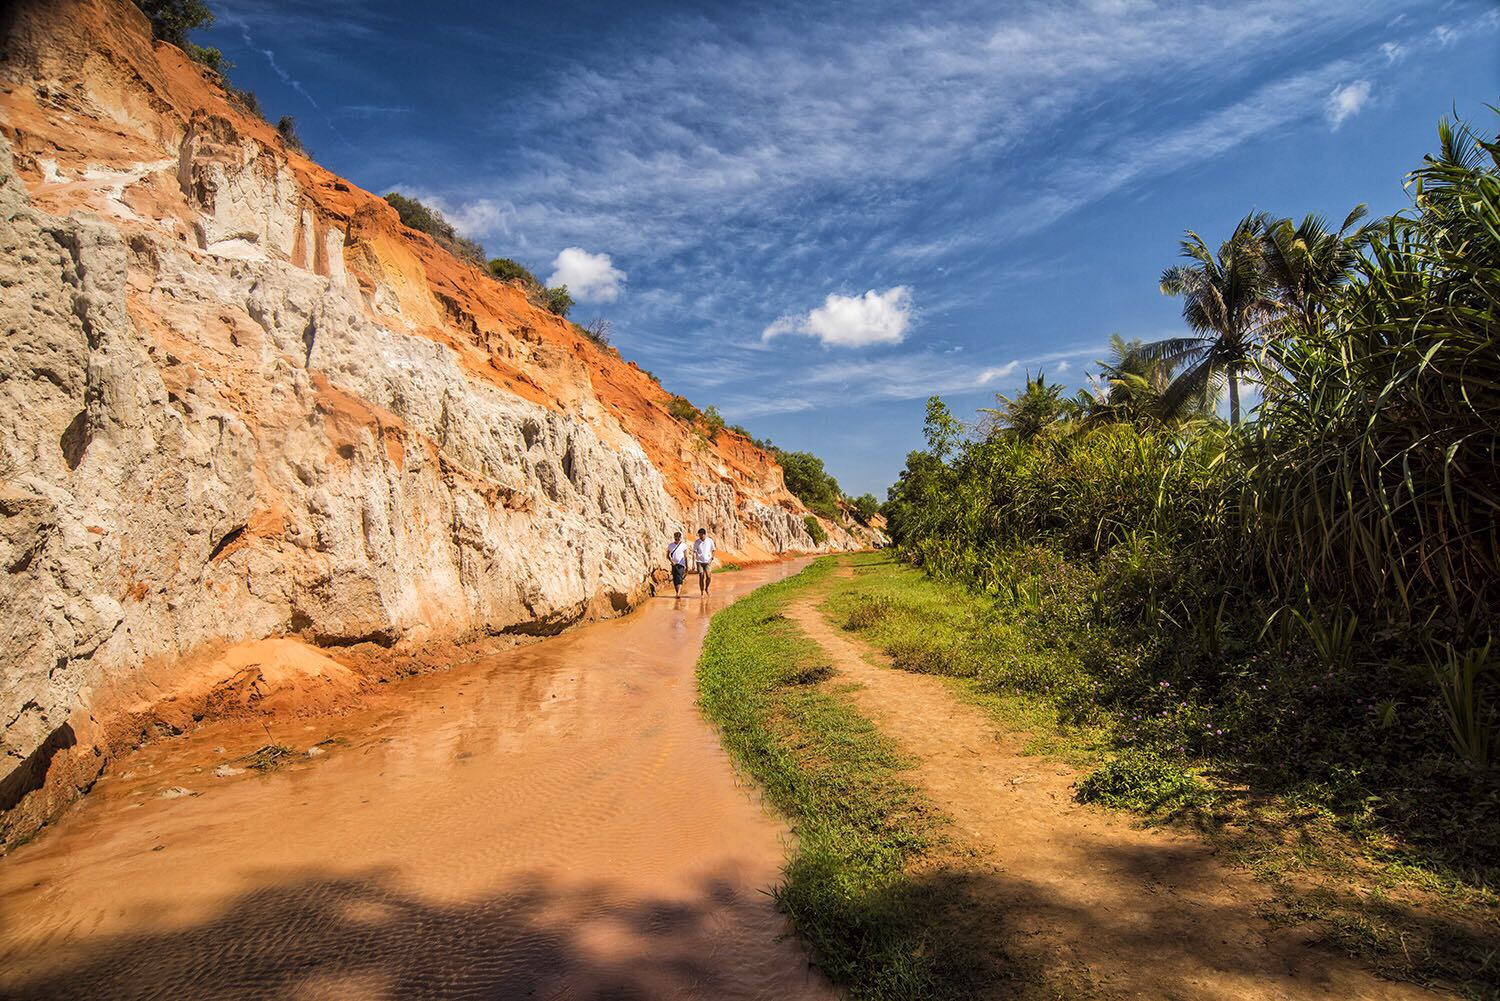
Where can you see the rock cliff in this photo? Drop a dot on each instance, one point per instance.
(239, 401)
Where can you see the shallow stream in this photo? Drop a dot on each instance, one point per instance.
(556, 821)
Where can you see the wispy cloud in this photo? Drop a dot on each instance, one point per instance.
(270, 55)
(1347, 100)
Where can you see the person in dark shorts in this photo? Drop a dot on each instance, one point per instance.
(677, 555)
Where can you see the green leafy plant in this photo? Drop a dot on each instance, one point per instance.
(1144, 782)
(681, 409)
(171, 20)
(1471, 723)
(424, 219)
(815, 529)
(506, 270)
(713, 423)
(557, 300)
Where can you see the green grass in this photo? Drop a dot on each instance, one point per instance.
(861, 827)
(934, 627)
(1404, 912)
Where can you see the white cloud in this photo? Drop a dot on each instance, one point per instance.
(850, 321)
(589, 277)
(989, 375)
(1393, 51)
(1347, 101)
(479, 218)
(1062, 367)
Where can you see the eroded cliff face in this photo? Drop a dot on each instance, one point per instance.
(238, 400)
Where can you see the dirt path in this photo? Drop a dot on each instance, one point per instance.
(1103, 907)
(556, 821)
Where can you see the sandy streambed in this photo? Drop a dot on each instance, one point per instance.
(553, 821)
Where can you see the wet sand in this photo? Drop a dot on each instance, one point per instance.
(557, 821)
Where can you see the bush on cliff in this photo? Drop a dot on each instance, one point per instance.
(286, 127)
(815, 529)
(171, 20)
(430, 221)
(507, 270)
(558, 300)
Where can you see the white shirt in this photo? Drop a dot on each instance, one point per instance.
(678, 552)
(703, 550)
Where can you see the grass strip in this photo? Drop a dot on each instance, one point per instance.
(860, 826)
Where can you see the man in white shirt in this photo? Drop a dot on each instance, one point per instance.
(703, 553)
(677, 554)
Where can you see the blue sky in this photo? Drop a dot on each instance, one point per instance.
(815, 216)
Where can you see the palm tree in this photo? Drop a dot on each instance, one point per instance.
(1308, 262)
(1030, 412)
(1228, 298)
(1132, 385)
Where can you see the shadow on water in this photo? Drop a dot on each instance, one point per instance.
(316, 935)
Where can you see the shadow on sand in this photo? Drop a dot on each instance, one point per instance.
(312, 935)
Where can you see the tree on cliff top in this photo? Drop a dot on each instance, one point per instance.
(171, 20)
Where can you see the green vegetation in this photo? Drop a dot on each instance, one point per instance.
(815, 529)
(286, 127)
(171, 20)
(558, 301)
(808, 481)
(507, 270)
(1012, 654)
(423, 219)
(713, 423)
(682, 409)
(860, 827)
(865, 507)
(1300, 602)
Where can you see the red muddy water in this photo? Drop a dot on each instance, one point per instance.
(556, 821)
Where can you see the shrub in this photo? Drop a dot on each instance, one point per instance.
(423, 219)
(507, 270)
(597, 330)
(1145, 782)
(865, 507)
(171, 20)
(558, 301)
(713, 423)
(868, 613)
(681, 409)
(808, 481)
(247, 100)
(286, 127)
(815, 529)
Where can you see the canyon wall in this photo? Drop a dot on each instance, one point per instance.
(239, 400)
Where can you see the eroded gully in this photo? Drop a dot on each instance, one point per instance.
(557, 821)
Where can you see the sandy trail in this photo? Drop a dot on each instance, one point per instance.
(556, 821)
(1104, 908)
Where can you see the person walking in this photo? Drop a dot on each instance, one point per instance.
(677, 556)
(703, 554)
